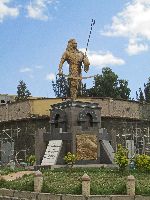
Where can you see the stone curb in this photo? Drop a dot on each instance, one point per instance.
(6, 194)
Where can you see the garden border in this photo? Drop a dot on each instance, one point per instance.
(8, 194)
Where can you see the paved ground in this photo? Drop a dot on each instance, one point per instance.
(14, 176)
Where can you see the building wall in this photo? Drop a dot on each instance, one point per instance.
(118, 108)
(15, 111)
(41, 106)
(5, 98)
(110, 107)
(26, 109)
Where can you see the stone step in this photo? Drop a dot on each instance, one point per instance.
(109, 150)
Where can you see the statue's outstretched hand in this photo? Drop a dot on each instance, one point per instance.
(86, 68)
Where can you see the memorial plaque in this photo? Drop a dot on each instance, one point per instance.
(52, 152)
(86, 147)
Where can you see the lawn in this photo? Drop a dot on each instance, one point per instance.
(7, 170)
(103, 181)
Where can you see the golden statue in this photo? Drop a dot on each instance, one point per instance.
(75, 59)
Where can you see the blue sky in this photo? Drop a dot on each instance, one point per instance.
(34, 34)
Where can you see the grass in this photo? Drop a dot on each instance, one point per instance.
(8, 170)
(24, 184)
(103, 181)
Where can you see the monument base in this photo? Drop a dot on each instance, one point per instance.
(78, 125)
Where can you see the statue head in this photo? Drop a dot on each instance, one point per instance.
(72, 44)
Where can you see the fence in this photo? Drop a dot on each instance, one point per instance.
(38, 183)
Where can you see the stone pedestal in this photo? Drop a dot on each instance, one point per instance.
(78, 125)
(40, 145)
(131, 185)
(85, 185)
(38, 181)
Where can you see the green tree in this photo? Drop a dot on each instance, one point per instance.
(144, 95)
(84, 91)
(140, 96)
(123, 90)
(22, 92)
(61, 87)
(108, 85)
(147, 91)
(104, 84)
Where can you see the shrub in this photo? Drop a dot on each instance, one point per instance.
(121, 158)
(70, 159)
(31, 159)
(142, 162)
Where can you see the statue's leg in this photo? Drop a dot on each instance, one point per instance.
(74, 89)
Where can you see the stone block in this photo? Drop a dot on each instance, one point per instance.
(17, 198)
(47, 196)
(5, 198)
(25, 194)
(139, 197)
(73, 197)
(86, 146)
(11, 198)
(130, 185)
(85, 185)
(122, 197)
(38, 181)
(99, 197)
(6, 192)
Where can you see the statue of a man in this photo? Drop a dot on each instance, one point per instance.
(75, 59)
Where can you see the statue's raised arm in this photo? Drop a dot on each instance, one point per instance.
(75, 59)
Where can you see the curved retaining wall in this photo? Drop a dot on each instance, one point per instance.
(40, 107)
(6, 194)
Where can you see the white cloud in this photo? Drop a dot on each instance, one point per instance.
(6, 10)
(38, 9)
(100, 59)
(39, 67)
(25, 69)
(133, 22)
(50, 77)
(134, 47)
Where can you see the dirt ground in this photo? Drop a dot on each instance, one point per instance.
(16, 175)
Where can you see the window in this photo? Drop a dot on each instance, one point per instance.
(89, 120)
(2, 101)
(57, 117)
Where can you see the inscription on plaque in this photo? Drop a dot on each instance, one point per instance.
(52, 152)
(86, 147)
